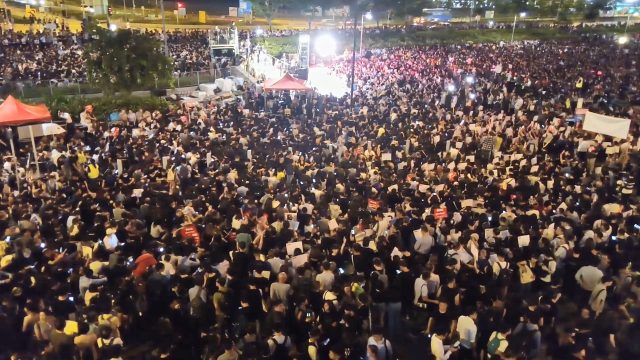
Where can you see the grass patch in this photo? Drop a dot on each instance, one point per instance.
(278, 46)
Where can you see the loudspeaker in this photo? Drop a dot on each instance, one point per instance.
(302, 74)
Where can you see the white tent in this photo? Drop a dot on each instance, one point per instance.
(40, 130)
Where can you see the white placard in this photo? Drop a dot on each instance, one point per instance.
(299, 260)
(606, 125)
(467, 203)
(386, 157)
(293, 225)
(292, 246)
(524, 240)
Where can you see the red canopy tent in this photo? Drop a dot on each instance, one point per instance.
(15, 113)
(287, 82)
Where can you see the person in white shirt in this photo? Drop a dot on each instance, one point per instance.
(467, 330)
(421, 291)
(588, 277)
(438, 349)
(385, 352)
(169, 269)
(326, 277)
(424, 240)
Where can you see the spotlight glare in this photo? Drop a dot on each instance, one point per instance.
(325, 45)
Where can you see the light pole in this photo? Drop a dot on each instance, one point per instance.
(353, 58)
(367, 16)
(626, 25)
(164, 29)
(515, 19)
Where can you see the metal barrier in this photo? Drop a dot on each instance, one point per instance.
(55, 87)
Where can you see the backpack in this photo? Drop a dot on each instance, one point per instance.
(108, 350)
(184, 172)
(504, 275)
(225, 306)
(197, 305)
(281, 352)
(171, 174)
(494, 344)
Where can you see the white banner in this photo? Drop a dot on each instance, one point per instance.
(606, 125)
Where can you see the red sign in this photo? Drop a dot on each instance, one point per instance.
(373, 204)
(440, 213)
(190, 232)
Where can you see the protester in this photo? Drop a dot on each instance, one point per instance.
(457, 210)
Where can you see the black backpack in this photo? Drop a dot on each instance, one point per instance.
(504, 275)
(184, 172)
(108, 350)
(281, 351)
(198, 306)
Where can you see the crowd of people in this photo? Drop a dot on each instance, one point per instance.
(43, 57)
(459, 211)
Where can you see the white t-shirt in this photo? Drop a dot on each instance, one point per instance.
(467, 330)
(420, 289)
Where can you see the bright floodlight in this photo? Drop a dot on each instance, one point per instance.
(326, 45)
(451, 88)
(259, 31)
(523, 14)
(368, 16)
(113, 27)
(469, 79)
(42, 2)
(623, 39)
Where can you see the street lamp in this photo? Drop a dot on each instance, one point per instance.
(515, 19)
(367, 16)
(164, 29)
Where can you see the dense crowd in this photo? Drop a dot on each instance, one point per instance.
(461, 212)
(43, 56)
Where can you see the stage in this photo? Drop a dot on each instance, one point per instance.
(326, 82)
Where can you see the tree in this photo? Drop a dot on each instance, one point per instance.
(592, 11)
(267, 8)
(409, 8)
(123, 61)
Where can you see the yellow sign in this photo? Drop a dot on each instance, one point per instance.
(202, 17)
(30, 12)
